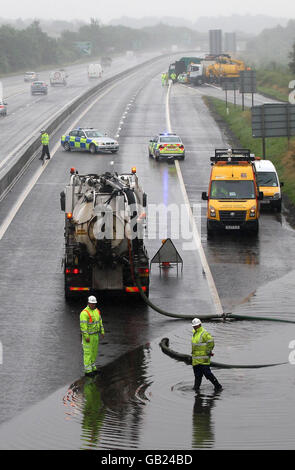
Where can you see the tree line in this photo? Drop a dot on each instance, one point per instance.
(31, 47)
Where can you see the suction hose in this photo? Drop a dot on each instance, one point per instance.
(169, 314)
(164, 344)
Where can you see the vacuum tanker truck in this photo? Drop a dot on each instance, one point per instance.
(105, 220)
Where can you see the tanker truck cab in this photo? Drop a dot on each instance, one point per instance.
(233, 196)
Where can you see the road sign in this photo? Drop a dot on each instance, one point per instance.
(84, 47)
(273, 120)
(230, 83)
(167, 255)
(248, 81)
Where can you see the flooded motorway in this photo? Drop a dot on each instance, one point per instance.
(143, 399)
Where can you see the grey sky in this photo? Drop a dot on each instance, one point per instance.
(106, 10)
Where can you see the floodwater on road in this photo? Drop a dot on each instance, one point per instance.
(144, 399)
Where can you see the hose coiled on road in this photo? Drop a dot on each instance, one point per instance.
(164, 344)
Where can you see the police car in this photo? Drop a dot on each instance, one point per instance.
(89, 139)
(166, 145)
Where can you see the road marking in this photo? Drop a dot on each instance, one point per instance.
(15, 208)
(196, 236)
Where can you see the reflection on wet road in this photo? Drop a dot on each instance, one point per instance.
(143, 399)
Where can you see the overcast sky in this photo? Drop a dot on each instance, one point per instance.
(106, 10)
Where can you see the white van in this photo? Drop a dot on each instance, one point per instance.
(58, 77)
(268, 182)
(94, 71)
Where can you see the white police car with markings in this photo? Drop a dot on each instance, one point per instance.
(167, 146)
(89, 139)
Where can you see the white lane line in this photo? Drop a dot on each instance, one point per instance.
(15, 208)
(196, 236)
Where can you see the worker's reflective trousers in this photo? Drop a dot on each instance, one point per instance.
(90, 351)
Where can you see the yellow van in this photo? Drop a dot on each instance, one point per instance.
(233, 197)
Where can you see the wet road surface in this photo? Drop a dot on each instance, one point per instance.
(141, 394)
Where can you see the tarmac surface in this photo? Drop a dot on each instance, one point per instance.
(140, 394)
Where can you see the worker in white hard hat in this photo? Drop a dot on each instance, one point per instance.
(202, 346)
(91, 326)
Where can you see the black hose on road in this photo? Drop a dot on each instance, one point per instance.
(248, 317)
(164, 344)
(174, 315)
(212, 316)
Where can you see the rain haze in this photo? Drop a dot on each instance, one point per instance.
(129, 169)
(106, 10)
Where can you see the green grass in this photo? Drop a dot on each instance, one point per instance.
(239, 122)
(274, 83)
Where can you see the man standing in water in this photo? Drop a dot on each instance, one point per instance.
(90, 325)
(202, 345)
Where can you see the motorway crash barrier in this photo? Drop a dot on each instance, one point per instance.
(20, 162)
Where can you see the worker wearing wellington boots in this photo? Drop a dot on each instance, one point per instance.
(91, 326)
(202, 345)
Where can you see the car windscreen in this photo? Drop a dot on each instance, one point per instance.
(93, 134)
(168, 140)
(232, 189)
(267, 178)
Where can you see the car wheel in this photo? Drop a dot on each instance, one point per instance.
(67, 146)
(114, 151)
(92, 148)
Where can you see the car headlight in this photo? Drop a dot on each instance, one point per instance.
(276, 196)
(252, 211)
(212, 211)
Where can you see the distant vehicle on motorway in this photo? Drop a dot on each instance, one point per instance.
(3, 108)
(182, 78)
(106, 61)
(166, 145)
(30, 76)
(94, 71)
(58, 77)
(89, 139)
(38, 87)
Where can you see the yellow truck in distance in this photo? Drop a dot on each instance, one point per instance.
(233, 196)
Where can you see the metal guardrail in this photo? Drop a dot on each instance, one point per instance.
(12, 174)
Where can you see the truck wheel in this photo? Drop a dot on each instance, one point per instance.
(67, 147)
(92, 148)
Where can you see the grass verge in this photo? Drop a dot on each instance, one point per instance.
(238, 125)
(274, 83)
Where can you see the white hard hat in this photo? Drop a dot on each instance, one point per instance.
(196, 322)
(92, 300)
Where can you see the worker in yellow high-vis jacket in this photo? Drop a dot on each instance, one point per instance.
(91, 327)
(202, 346)
(45, 145)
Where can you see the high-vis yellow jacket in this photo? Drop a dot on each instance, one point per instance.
(91, 322)
(202, 345)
